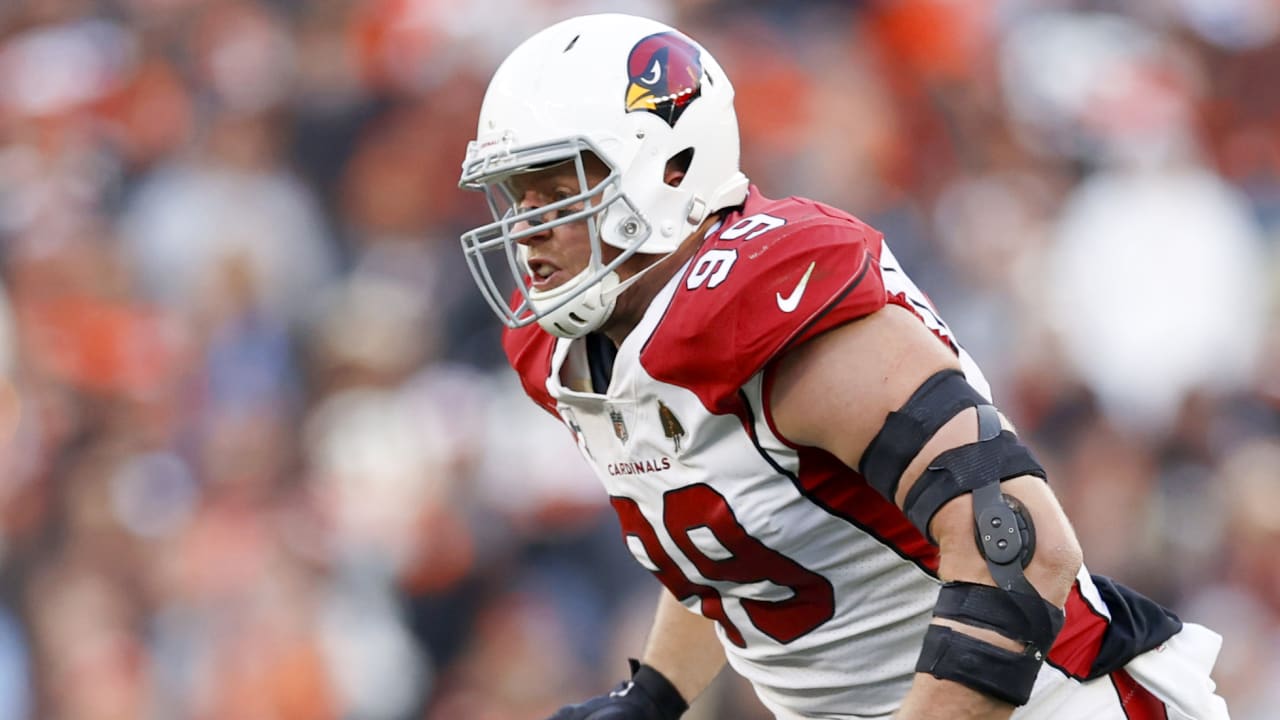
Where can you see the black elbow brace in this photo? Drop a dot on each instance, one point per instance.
(1006, 675)
(1004, 532)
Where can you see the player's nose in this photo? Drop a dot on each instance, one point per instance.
(532, 225)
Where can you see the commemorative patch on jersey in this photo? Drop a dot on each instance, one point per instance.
(671, 426)
(666, 75)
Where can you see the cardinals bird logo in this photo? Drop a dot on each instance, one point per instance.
(666, 75)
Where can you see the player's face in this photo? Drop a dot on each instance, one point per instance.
(558, 253)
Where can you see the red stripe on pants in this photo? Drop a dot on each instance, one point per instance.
(1137, 701)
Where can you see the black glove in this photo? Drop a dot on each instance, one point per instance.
(646, 696)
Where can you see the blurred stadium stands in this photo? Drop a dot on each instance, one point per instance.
(260, 457)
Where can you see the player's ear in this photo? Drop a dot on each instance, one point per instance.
(677, 166)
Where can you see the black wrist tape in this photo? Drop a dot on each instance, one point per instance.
(659, 689)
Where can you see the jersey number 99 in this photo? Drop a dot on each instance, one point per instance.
(700, 508)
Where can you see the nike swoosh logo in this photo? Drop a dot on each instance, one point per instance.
(791, 302)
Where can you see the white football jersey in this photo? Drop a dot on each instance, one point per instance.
(821, 589)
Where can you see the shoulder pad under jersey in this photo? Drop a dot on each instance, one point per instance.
(775, 274)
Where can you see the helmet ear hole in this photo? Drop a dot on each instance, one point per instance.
(677, 167)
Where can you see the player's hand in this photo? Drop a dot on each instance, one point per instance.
(648, 695)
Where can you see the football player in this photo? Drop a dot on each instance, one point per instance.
(795, 444)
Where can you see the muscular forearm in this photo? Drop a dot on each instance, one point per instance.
(1051, 573)
(934, 699)
(683, 646)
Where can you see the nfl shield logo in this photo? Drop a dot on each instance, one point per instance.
(619, 426)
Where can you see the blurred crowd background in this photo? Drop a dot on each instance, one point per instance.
(260, 457)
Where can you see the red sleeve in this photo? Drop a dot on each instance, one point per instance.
(713, 339)
(529, 351)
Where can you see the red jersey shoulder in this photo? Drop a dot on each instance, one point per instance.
(776, 273)
(529, 351)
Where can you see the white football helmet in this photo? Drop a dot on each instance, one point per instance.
(631, 91)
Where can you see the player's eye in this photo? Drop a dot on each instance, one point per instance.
(568, 209)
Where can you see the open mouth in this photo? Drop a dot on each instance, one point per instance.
(544, 275)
